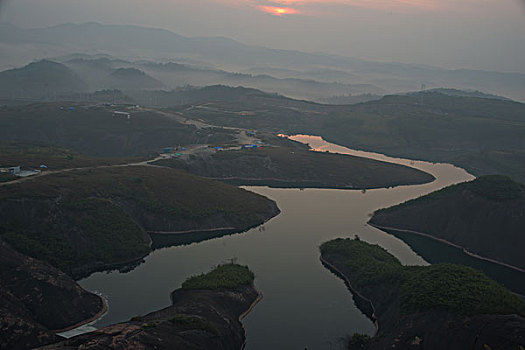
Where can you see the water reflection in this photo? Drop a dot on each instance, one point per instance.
(304, 305)
(438, 252)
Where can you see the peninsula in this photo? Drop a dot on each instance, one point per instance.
(441, 306)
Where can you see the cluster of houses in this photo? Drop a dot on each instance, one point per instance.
(125, 114)
(171, 152)
(18, 171)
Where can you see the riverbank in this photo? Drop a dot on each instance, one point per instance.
(484, 217)
(297, 167)
(95, 317)
(198, 318)
(426, 235)
(38, 300)
(102, 216)
(279, 251)
(357, 296)
(438, 306)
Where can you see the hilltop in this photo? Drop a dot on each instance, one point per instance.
(485, 216)
(88, 220)
(97, 131)
(441, 306)
(457, 92)
(298, 167)
(42, 79)
(131, 78)
(36, 299)
(30, 155)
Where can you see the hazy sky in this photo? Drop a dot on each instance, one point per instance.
(482, 34)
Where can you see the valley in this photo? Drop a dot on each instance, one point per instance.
(357, 184)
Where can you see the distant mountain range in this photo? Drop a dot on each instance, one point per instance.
(460, 93)
(89, 75)
(133, 42)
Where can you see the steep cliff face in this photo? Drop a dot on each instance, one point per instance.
(486, 216)
(197, 319)
(36, 298)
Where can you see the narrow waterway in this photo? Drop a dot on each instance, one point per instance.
(304, 305)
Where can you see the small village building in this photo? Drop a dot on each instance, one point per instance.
(26, 173)
(122, 114)
(15, 170)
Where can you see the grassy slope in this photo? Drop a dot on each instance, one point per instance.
(485, 136)
(97, 217)
(455, 288)
(95, 131)
(283, 166)
(486, 216)
(31, 156)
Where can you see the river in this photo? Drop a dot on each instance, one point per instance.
(304, 305)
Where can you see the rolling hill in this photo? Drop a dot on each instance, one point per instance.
(442, 306)
(96, 131)
(131, 79)
(484, 136)
(42, 79)
(485, 216)
(93, 219)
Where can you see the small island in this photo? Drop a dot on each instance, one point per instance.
(206, 313)
(441, 306)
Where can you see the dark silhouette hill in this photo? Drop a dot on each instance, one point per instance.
(485, 216)
(42, 79)
(131, 78)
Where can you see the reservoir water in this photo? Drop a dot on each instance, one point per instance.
(304, 305)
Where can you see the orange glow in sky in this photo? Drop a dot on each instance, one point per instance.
(278, 11)
(312, 7)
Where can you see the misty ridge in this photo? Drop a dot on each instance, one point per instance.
(138, 58)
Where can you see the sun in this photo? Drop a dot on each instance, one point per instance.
(278, 11)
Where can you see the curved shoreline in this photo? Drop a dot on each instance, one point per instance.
(353, 291)
(365, 305)
(217, 229)
(295, 184)
(450, 244)
(245, 313)
(95, 317)
(79, 275)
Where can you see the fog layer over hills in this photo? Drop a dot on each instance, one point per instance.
(209, 61)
